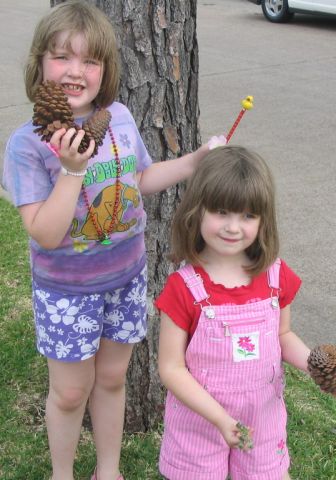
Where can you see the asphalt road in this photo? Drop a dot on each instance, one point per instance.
(290, 70)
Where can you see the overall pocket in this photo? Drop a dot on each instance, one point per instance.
(246, 339)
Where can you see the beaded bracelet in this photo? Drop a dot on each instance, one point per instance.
(81, 173)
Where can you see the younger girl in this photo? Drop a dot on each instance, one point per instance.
(225, 327)
(86, 221)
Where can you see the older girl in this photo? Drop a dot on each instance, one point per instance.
(86, 222)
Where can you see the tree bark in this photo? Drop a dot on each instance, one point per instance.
(159, 84)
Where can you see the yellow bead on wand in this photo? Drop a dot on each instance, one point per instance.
(247, 104)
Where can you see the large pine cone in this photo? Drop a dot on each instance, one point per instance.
(52, 112)
(322, 367)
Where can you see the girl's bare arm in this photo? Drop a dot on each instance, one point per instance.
(162, 175)
(294, 351)
(48, 222)
(176, 377)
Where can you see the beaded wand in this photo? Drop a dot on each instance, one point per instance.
(247, 104)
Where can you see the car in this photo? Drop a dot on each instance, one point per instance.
(279, 11)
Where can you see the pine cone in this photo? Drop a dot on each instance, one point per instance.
(52, 112)
(322, 367)
(95, 128)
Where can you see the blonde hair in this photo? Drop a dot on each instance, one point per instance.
(76, 16)
(235, 179)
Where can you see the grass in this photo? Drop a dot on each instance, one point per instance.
(23, 388)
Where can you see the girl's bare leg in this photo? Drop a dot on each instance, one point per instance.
(107, 405)
(286, 477)
(70, 385)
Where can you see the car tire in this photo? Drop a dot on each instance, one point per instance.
(276, 11)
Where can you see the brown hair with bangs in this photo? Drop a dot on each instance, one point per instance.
(235, 179)
(76, 16)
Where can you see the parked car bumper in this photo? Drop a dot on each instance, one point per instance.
(257, 2)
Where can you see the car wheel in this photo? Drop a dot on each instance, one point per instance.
(276, 10)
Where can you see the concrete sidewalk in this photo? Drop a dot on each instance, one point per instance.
(290, 70)
(18, 19)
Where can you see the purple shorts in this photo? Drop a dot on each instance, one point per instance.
(69, 327)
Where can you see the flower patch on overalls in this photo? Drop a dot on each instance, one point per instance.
(245, 346)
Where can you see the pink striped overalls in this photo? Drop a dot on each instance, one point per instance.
(235, 354)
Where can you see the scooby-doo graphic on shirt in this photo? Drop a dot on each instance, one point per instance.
(102, 210)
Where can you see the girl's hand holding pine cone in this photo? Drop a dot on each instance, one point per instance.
(65, 144)
(56, 125)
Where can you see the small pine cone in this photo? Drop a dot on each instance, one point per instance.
(322, 367)
(95, 128)
(51, 110)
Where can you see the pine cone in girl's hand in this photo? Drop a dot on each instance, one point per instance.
(95, 127)
(322, 367)
(52, 112)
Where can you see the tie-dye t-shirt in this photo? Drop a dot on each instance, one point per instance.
(81, 264)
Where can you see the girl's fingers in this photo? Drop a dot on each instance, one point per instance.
(217, 141)
(75, 142)
(90, 149)
(55, 140)
(72, 139)
(65, 145)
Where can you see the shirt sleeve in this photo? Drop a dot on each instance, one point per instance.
(25, 176)
(143, 158)
(176, 301)
(289, 283)
(141, 151)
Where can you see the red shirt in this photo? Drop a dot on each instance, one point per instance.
(177, 302)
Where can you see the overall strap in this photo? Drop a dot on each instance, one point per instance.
(273, 274)
(194, 282)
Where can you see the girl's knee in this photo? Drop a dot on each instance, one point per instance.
(68, 398)
(70, 384)
(111, 378)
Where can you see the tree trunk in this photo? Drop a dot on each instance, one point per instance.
(159, 84)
